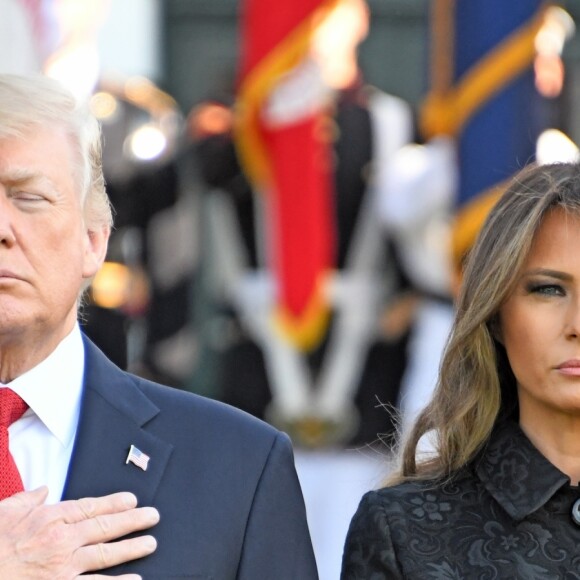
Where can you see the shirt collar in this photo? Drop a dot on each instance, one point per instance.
(516, 474)
(53, 388)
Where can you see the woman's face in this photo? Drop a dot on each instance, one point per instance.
(540, 325)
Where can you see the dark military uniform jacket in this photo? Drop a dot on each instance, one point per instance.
(510, 514)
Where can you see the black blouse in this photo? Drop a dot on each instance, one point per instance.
(509, 515)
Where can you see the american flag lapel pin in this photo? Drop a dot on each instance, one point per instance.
(137, 457)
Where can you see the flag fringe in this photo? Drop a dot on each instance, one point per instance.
(470, 219)
(305, 330)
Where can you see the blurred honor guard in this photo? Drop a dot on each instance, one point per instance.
(144, 287)
(304, 267)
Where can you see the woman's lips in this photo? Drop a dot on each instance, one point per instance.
(570, 367)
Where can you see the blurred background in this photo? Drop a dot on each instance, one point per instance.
(296, 185)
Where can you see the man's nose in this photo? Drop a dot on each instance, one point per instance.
(7, 237)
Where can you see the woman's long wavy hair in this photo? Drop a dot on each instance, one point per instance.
(476, 387)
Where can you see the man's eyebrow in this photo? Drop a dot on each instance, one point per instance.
(549, 273)
(21, 176)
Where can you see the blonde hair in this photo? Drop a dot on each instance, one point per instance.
(476, 387)
(29, 102)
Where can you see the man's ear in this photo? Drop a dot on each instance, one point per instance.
(96, 242)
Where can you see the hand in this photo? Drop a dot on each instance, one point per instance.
(64, 540)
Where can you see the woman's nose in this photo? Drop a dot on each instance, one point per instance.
(573, 320)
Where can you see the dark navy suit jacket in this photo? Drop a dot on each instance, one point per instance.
(224, 482)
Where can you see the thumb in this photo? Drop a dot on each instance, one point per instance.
(27, 499)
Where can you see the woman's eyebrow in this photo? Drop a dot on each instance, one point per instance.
(559, 275)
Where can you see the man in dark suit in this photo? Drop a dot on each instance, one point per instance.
(223, 482)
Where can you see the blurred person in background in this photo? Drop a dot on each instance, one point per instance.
(145, 286)
(388, 262)
(362, 356)
(497, 493)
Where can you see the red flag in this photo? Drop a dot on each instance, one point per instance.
(284, 144)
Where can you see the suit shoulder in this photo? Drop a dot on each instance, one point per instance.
(204, 413)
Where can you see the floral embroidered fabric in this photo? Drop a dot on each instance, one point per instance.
(508, 515)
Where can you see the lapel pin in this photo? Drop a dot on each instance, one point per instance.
(137, 457)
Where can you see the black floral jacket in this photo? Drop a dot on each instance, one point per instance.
(506, 516)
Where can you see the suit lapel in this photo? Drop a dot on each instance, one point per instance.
(114, 415)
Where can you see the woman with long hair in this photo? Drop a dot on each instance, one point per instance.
(498, 497)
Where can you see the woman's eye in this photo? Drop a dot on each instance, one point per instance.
(547, 289)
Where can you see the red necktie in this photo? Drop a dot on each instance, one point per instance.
(12, 407)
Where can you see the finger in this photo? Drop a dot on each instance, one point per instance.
(101, 556)
(74, 511)
(104, 528)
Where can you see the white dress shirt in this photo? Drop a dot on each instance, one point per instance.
(41, 441)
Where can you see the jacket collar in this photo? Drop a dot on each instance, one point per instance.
(115, 414)
(515, 473)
